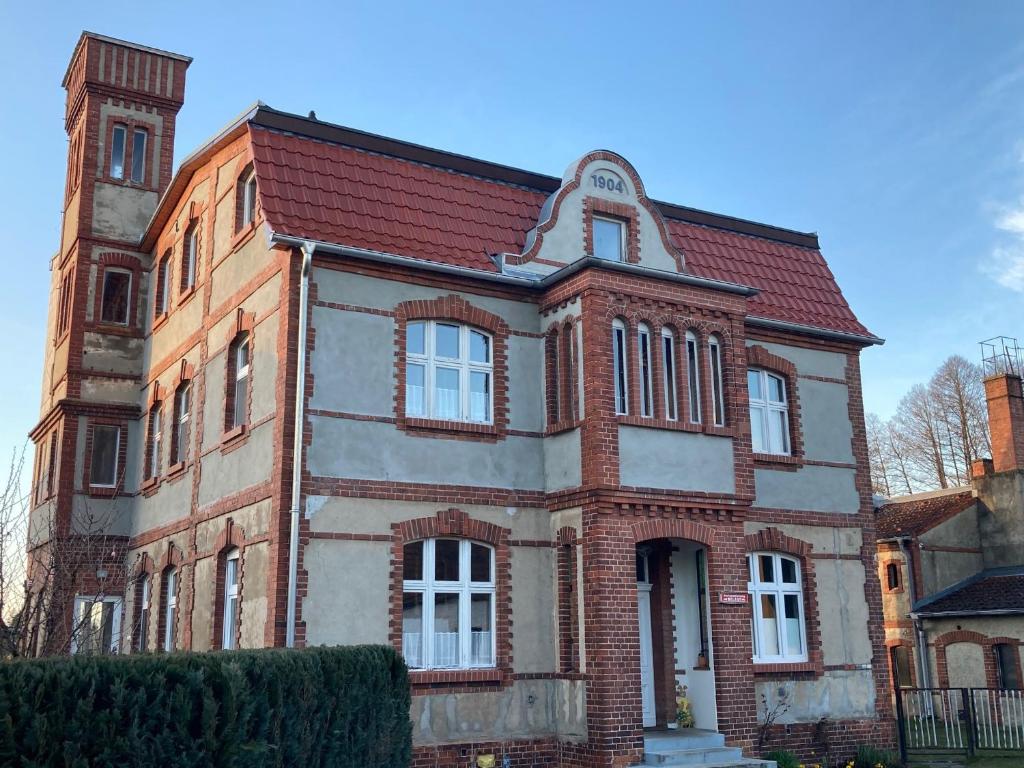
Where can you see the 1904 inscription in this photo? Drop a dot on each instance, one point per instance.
(608, 182)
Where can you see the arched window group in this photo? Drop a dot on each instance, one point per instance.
(669, 379)
(562, 395)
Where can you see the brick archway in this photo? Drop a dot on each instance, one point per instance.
(648, 530)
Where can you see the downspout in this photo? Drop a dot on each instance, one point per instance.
(300, 417)
(924, 670)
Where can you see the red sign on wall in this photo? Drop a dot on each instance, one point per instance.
(738, 598)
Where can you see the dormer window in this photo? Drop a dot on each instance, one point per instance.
(609, 239)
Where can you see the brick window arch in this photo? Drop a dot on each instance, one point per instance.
(459, 311)
(230, 545)
(238, 381)
(142, 585)
(561, 370)
(169, 570)
(987, 645)
(454, 524)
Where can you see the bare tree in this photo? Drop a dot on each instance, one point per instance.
(960, 396)
(46, 562)
(878, 454)
(920, 425)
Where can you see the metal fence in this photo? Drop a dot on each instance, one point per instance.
(959, 721)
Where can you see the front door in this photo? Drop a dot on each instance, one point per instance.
(643, 600)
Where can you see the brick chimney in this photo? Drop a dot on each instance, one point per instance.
(1006, 421)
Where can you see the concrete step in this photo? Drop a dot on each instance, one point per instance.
(695, 757)
(683, 738)
(742, 762)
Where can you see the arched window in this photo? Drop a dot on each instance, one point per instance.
(769, 412)
(182, 416)
(116, 298)
(142, 625)
(668, 373)
(190, 257)
(717, 390)
(643, 345)
(448, 604)
(239, 359)
(448, 372)
(892, 575)
(693, 376)
(232, 600)
(619, 366)
(246, 197)
(776, 588)
(170, 590)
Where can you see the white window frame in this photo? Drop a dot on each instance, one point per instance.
(764, 408)
(620, 363)
(115, 620)
(184, 392)
(117, 455)
(693, 378)
(103, 296)
(645, 370)
(117, 158)
(191, 259)
(155, 441)
(621, 225)
(162, 289)
(428, 586)
(144, 600)
(249, 198)
(170, 606)
(779, 589)
(243, 341)
(232, 600)
(717, 386)
(668, 374)
(139, 157)
(431, 361)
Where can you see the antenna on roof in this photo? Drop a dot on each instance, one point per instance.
(999, 355)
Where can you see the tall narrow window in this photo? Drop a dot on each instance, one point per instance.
(239, 385)
(567, 372)
(170, 607)
(448, 604)
(775, 586)
(106, 445)
(141, 640)
(609, 239)
(619, 366)
(892, 576)
(769, 413)
(901, 666)
(138, 156)
(668, 373)
(643, 342)
(117, 289)
(182, 415)
(702, 606)
(248, 192)
(554, 394)
(717, 394)
(693, 376)
(117, 147)
(448, 372)
(190, 257)
(231, 600)
(161, 298)
(155, 441)
(1007, 666)
(97, 625)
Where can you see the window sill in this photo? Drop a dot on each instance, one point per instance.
(424, 677)
(116, 329)
(242, 236)
(103, 491)
(561, 426)
(785, 668)
(443, 425)
(176, 470)
(160, 319)
(149, 486)
(777, 459)
(234, 436)
(653, 423)
(186, 296)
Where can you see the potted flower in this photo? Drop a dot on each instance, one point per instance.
(684, 712)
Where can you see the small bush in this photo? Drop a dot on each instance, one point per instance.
(274, 708)
(870, 757)
(783, 758)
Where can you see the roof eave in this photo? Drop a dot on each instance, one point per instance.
(813, 330)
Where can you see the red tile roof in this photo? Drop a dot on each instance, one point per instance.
(917, 515)
(339, 194)
(985, 592)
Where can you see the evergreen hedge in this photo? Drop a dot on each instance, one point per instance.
(317, 707)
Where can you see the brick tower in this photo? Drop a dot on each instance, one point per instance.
(122, 102)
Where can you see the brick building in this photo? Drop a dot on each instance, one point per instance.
(563, 445)
(951, 562)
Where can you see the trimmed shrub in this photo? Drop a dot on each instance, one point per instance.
(317, 707)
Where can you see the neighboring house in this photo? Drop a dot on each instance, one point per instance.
(564, 446)
(951, 564)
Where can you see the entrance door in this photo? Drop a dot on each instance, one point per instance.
(643, 600)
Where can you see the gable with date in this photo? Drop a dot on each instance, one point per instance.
(601, 211)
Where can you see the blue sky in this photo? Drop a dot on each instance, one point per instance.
(894, 130)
